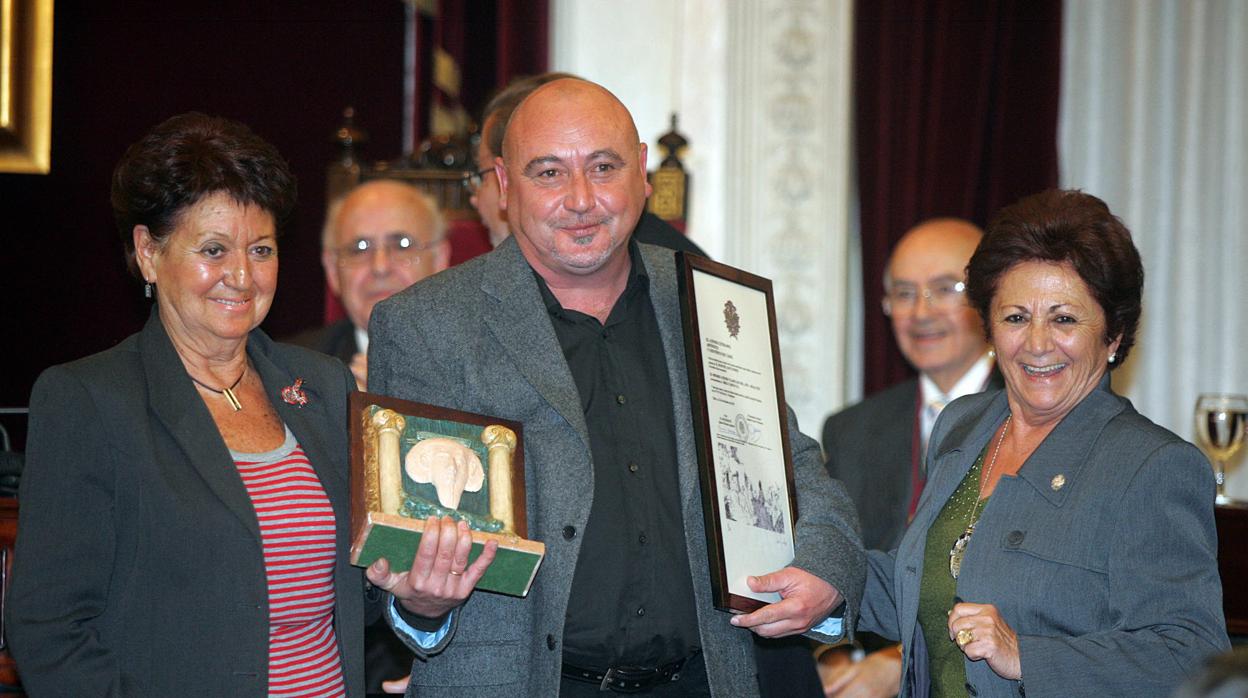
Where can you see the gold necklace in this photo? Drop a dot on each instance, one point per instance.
(227, 392)
(958, 551)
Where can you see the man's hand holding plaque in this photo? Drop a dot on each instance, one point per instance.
(805, 601)
(440, 578)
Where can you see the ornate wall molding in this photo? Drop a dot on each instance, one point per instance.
(789, 161)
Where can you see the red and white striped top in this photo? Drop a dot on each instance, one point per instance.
(297, 530)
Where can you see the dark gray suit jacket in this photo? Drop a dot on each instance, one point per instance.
(1109, 576)
(477, 337)
(336, 339)
(139, 569)
(870, 449)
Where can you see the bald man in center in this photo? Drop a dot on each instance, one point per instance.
(573, 329)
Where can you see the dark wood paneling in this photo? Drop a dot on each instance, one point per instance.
(284, 67)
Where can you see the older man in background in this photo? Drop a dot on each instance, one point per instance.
(876, 446)
(381, 237)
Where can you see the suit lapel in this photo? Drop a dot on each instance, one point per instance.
(308, 423)
(660, 266)
(521, 325)
(1064, 452)
(175, 403)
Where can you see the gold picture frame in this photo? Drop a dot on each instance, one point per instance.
(26, 86)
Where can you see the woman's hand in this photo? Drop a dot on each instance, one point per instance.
(440, 578)
(982, 633)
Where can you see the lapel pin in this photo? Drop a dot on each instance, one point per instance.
(1058, 482)
(295, 394)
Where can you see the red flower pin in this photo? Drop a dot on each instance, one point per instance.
(294, 394)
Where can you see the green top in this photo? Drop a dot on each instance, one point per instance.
(938, 588)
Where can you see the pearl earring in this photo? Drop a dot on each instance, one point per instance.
(1113, 357)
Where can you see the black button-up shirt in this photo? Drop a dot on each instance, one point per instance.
(632, 597)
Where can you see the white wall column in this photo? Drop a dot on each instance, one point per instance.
(763, 93)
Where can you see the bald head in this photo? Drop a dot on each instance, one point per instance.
(569, 97)
(499, 109)
(378, 195)
(952, 239)
(939, 334)
(573, 178)
(402, 233)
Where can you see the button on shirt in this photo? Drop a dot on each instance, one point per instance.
(632, 594)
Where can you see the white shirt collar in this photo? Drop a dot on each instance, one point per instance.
(973, 381)
(361, 339)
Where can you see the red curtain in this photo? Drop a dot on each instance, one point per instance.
(523, 40)
(956, 108)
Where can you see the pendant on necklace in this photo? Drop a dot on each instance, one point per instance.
(958, 551)
(232, 399)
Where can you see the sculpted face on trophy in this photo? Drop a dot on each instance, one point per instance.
(449, 465)
(432, 467)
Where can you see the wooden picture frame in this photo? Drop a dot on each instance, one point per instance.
(26, 86)
(410, 460)
(732, 351)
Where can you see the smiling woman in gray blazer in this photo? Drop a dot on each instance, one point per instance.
(184, 517)
(1064, 544)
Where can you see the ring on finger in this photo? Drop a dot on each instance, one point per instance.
(965, 637)
(457, 574)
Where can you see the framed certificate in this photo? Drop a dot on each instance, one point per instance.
(741, 425)
(410, 461)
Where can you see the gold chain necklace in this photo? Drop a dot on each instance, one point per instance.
(958, 551)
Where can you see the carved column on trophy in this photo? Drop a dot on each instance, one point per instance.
(389, 425)
(500, 441)
(670, 200)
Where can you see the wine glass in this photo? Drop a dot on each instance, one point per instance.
(1220, 422)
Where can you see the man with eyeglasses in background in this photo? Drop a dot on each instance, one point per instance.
(876, 447)
(381, 237)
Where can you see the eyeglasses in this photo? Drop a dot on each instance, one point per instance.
(474, 180)
(401, 250)
(943, 295)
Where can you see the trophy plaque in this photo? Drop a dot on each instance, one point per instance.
(410, 461)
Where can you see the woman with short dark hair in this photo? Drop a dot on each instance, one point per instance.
(184, 519)
(1064, 544)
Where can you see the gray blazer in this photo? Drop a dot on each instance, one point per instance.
(139, 569)
(1110, 578)
(478, 338)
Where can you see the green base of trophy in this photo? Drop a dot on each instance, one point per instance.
(396, 539)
